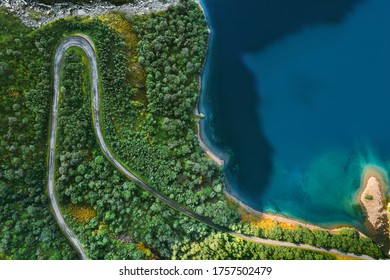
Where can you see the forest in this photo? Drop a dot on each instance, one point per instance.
(149, 70)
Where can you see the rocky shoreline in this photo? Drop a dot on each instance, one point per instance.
(36, 14)
(373, 200)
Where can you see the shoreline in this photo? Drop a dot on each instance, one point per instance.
(376, 172)
(372, 197)
(205, 148)
(214, 157)
(369, 172)
(221, 162)
(280, 218)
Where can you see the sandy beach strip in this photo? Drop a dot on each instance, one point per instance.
(207, 150)
(288, 221)
(213, 156)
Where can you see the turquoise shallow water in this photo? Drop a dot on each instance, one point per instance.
(297, 95)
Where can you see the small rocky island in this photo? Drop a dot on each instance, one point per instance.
(373, 200)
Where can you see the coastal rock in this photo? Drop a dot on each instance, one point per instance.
(81, 13)
(373, 201)
(28, 9)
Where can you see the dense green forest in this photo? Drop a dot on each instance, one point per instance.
(149, 67)
(220, 246)
(345, 240)
(28, 230)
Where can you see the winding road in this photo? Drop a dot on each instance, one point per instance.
(83, 42)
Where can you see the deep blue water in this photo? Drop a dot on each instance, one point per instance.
(297, 95)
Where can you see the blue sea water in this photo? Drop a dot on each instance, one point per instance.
(297, 95)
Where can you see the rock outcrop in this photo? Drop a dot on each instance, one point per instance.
(36, 14)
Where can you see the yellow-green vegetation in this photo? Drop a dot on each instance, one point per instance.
(146, 250)
(3, 257)
(82, 214)
(345, 258)
(136, 74)
(344, 240)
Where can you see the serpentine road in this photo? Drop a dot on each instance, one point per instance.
(85, 43)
